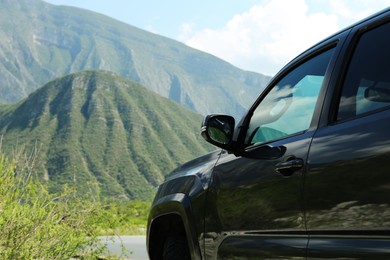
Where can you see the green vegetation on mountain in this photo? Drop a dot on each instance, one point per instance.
(102, 134)
(40, 42)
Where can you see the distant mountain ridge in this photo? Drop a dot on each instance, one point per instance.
(40, 42)
(103, 134)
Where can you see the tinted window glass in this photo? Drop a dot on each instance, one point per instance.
(367, 83)
(288, 108)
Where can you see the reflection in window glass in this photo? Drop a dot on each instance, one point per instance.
(367, 83)
(288, 108)
(366, 102)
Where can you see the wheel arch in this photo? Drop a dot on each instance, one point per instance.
(171, 215)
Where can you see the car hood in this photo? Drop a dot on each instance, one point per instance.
(191, 177)
(195, 166)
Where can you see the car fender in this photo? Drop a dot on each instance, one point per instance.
(177, 204)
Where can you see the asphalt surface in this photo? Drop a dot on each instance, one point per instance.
(126, 247)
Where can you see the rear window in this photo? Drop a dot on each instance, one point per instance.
(367, 83)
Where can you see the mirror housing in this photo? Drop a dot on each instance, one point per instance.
(218, 130)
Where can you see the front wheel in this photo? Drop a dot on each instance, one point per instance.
(176, 248)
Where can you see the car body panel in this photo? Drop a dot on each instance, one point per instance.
(348, 186)
(183, 194)
(250, 200)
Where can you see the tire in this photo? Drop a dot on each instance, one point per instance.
(176, 248)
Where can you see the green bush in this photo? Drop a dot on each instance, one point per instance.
(37, 225)
(121, 218)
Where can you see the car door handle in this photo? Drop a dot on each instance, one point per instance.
(289, 166)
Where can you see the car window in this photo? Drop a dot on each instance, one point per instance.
(289, 106)
(366, 86)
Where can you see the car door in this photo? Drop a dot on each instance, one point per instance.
(348, 180)
(255, 201)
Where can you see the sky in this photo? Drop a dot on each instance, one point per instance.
(255, 35)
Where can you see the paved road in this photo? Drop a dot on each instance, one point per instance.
(135, 247)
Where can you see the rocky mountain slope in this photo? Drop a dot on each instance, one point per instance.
(103, 134)
(40, 42)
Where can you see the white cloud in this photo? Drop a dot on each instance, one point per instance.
(270, 34)
(354, 10)
(186, 30)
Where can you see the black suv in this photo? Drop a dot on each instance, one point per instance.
(304, 174)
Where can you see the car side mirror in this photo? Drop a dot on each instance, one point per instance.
(218, 130)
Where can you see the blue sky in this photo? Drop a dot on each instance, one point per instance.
(255, 35)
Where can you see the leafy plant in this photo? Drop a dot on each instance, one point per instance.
(37, 225)
(121, 218)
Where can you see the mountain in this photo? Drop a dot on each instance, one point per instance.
(104, 134)
(40, 42)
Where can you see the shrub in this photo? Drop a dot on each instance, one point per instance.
(37, 225)
(121, 218)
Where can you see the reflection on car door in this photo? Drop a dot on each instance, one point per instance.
(348, 180)
(255, 203)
